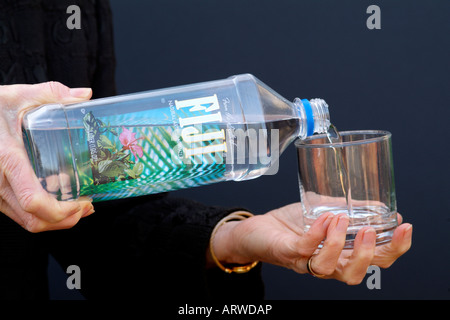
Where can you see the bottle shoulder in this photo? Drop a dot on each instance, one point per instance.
(45, 117)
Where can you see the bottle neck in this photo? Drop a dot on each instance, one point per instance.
(314, 116)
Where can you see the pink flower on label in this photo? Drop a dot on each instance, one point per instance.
(129, 141)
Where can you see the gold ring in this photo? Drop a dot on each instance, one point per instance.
(310, 270)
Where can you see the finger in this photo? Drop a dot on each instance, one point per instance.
(9, 205)
(39, 225)
(49, 92)
(326, 260)
(315, 235)
(309, 242)
(399, 219)
(355, 269)
(22, 95)
(30, 195)
(386, 255)
(67, 223)
(402, 238)
(21, 98)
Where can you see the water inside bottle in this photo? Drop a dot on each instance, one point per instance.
(135, 160)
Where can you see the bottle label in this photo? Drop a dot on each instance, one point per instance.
(209, 110)
(180, 145)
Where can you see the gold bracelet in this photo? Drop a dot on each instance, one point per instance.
(235, 216)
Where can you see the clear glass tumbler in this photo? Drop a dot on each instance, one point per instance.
(354, 176)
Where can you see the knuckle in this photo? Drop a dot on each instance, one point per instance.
(308, 243)
(328, 271)
(365, 256)
(34, 205)
(56, 89)
(32, 224)
(28, 201)
(333, 244)
(6, 158)
(324, 269)
(10, 162)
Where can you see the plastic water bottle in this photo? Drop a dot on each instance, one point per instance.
(167, 139)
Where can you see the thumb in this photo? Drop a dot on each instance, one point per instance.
(22, 97)
(52, 92)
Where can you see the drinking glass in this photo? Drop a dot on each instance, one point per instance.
(354, 176)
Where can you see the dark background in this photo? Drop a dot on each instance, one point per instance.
(396, 79)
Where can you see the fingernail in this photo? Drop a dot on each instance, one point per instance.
(409, 228)
(88, 210)
(342, 223)
(327, 221)
(88, 213)
(369, 236)
(80, 92)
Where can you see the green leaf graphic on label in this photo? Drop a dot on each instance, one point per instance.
(111, 168)
(138, 168)
(105, 143)
(109, 163)
(136, 171)
(130, 173)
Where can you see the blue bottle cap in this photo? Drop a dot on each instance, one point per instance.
(309, 117)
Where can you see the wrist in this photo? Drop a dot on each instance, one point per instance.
(224, 247)
(224, 244)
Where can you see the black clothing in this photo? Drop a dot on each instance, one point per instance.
(36, 45)
(138, 248)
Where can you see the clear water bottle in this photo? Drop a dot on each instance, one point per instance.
(167, 139)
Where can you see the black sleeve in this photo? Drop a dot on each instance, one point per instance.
(150, 247)
(23, 263)
(36, 45)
